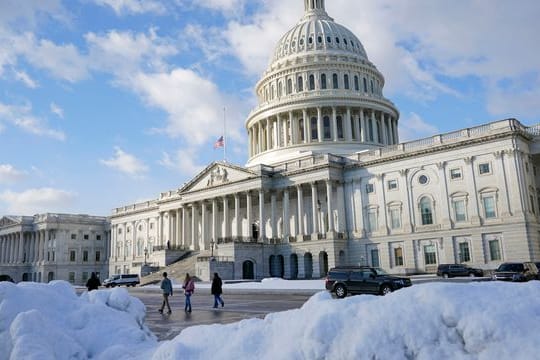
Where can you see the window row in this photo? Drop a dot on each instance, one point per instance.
(318, 41)
(85, 236)
(139, 228)
(85, 256)
(322, 82)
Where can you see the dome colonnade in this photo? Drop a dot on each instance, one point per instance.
(320, 93)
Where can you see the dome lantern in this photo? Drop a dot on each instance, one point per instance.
(311, 5)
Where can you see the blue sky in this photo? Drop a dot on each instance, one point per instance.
(108, 102)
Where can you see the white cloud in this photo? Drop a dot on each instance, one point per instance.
(414, 127)
(225, 6)
(25, 79)
(33, 201)
(22, 117)
(183, 161)
(123, 7)
(57, 110)
(9, 174)
(126, 163)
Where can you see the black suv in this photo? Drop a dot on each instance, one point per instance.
(451, 270)
(518, 271)
(363, 280)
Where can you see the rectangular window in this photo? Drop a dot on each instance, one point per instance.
(72, 255)
(430, 256)
(73, 236)
(459, 210)
(489, 207)
(494, 250)
(375, 257)
(86, 236)
(85, 255)
(98, 256)
(395, 218)
(72, 277)
(369, 188)
(98, 237)
(455, 174)
(398, 256)
(48, 256)
(484, 168)
(372, 221)
(464, 253)
(532, 204)
(53, 256)
(84, 276)
(392, 184)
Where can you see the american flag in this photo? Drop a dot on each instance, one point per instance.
(219, 143)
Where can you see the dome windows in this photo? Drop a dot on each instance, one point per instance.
(310, 40)
(300, 84)
(335, 81)
(328, 39)
(346, 81)
(311, 82)
(301, 42)
(337, 40)
(345, 41)
(319, 39)
(289, 86)
(323, 81)
(356, 85)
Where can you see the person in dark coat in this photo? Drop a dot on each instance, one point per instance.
(217, 290)
(93, 283)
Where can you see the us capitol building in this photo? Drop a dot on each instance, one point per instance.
(328, 183)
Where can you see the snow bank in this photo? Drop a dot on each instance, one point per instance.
(50, 321)
(445, 321)
(488, 320)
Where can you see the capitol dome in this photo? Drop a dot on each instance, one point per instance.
(319, 94)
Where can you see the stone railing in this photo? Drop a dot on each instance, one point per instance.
(135, 207)
(447, 138)
(232, 239)
(215, 258)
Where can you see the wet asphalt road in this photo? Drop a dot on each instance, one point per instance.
(238, 306)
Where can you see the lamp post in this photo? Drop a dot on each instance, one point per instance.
(212, 244)
(145, 255)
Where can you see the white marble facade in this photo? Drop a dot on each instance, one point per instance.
(327, 181)
(49, 247)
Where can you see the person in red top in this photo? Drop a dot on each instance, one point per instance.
(189, 289)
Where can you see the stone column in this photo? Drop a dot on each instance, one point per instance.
(249, 215)
(375, 127)
(471, 184)
(319, 125)
(160, 229)
(259, 138)
(262, 221)
(193, 226)
(381, 195)
(307, 127)
(341, 225)
(273, 217)
(329, 195)
(501, 179)
(238, 221)
(268, 135)
(185, 237)
(178, 241)
(204, 231)
(384, 132)
(214, 220)
(279, 131)
(300, 199)
(334, 124)
(445, 206)
(286, 217)
(226, 218)
(20, 256)
(407, 219)
(294, 129)
(365, 130)
(315, 212)
(36, 246)
(348, 129)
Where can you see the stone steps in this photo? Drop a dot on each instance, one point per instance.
(176, 271)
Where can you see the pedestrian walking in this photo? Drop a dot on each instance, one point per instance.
(93, 283)
(217, 290)
(189, 289)
(166, 287)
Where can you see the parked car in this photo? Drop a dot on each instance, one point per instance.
(516, 271)
(451, 270)
(122, 279)
(6, 278)
(345, 280)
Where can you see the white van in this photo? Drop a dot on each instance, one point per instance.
(122, 279)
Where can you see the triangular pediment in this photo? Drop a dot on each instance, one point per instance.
(9, 220)
(217, 174)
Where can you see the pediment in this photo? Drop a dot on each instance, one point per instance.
(8, 221)
(217, 174)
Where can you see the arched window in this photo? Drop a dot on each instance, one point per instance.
(300, 84)
(339, 121)
(372, 86)
(356, 85)
(326, 127)
(323, 81)
(346, 81)
(426, 211)
(314, 132)
(279, 89)
(311, 82)
(289, 86)
(335, 81)
(273, 92)
(365, 85)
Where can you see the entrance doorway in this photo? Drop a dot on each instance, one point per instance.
(294, 266)
(248, 272)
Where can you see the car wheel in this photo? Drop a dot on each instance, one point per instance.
(340, 291)
(445, 275)
(113, 285)
(385, 290)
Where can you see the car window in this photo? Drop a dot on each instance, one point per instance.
(511, 267)
(357, 275)
(366, 273)
(380, 271)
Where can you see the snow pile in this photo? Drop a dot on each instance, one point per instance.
(50, 321)
(488, 320)
(444, 321)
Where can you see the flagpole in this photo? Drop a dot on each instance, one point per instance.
(225, 140)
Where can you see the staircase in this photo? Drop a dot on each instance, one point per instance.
(175, 271)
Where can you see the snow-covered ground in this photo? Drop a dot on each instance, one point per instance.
(486, 320)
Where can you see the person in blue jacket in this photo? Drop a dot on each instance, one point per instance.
(166, 287)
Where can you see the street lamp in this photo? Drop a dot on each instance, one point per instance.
(212, 244)
(145, 255)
